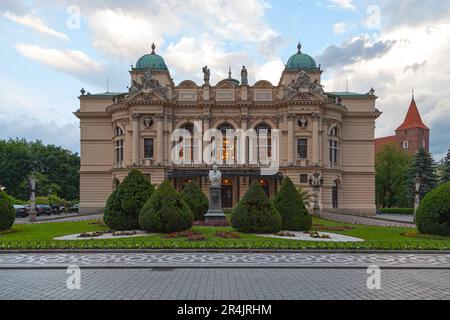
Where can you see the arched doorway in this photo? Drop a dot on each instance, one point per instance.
(227, 193)
(335, 194)
(228, 147)
(265, 186)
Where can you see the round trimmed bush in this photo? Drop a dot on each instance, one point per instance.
(124, 204)
(255, 213)
(196, 200)
(293, 212)
(433, 216)
(7, 212)
(166, 211)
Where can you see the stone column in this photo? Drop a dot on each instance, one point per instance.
(135, 148)
(206, 123)
(316, 143)
(159, 139)
(291, 118)
(244, 127)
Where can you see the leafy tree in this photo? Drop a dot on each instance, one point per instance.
(255, 213)
(444, 169)
(391, 165)
(123, 206)
(166, 211)
(19, 158)
(424, 165)
(7, 212)
(433, 216)
(293, 212)
(196, 200)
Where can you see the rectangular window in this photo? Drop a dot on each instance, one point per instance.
(334, 147)
(302, 148)
(119, 152)
(303, 178)
(148, 148)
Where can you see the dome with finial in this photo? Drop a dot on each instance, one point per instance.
(301, 61)
(230, 78)
(152, 61)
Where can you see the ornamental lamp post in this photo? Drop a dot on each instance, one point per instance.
(32, 213)
(316, 183)
(418, 183)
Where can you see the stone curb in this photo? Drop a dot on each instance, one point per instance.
(168, 267)
(119, 251)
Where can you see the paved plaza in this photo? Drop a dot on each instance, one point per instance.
(236, 276)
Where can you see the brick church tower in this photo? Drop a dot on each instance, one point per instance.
(411, 134)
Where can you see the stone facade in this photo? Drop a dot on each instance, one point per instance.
(329, 132)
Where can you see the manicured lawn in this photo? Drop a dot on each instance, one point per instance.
(41, 236)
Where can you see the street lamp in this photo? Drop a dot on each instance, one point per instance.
(32, 213)
(316, 182)
(418, 182)
(2, 188)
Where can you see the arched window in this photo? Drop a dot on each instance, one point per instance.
(264, 145)
(334, 147)
(118, 132)
(228, 147)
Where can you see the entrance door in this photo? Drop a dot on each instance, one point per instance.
(227, 193)
(335, 195)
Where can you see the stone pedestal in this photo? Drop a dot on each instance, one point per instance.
(215, 212)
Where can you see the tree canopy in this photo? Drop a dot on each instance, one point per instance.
(391, 165)
(56, 169)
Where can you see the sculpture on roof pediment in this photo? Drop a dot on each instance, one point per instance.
(302, 84)
(147, 83)
(206, 74)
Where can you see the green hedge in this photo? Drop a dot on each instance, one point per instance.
(433, 216)
(7, 212)
(123, 206)
(255, 213)
(397, 210)
(166, 211)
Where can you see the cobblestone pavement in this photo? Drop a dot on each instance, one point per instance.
(61, 218)
(217, 260)
(346, 218)
(225, 284)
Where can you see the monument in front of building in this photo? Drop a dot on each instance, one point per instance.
(215, 212)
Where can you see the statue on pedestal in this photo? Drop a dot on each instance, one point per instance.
(215, 212)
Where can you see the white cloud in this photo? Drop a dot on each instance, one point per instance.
(271, 71)
(339, 28)
(69, 61)
(344, 4)
(36, 23)
(417, 59)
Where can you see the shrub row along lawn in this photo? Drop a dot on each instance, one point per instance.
(41, 236)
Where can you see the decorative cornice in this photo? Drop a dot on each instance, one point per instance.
(84, 115)
(369, 115)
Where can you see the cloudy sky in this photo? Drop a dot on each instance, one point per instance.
(50, 49)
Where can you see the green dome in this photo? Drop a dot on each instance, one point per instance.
(151, 61)
(301, 61)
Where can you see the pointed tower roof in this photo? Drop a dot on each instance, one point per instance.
(412, 119)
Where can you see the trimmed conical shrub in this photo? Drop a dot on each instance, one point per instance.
(166, 211)
(196, 200)
(124, 204)
(433, 216)
(255, 213)
(290, 204)
(7, 212)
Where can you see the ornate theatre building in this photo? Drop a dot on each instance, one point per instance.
(327, 132)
